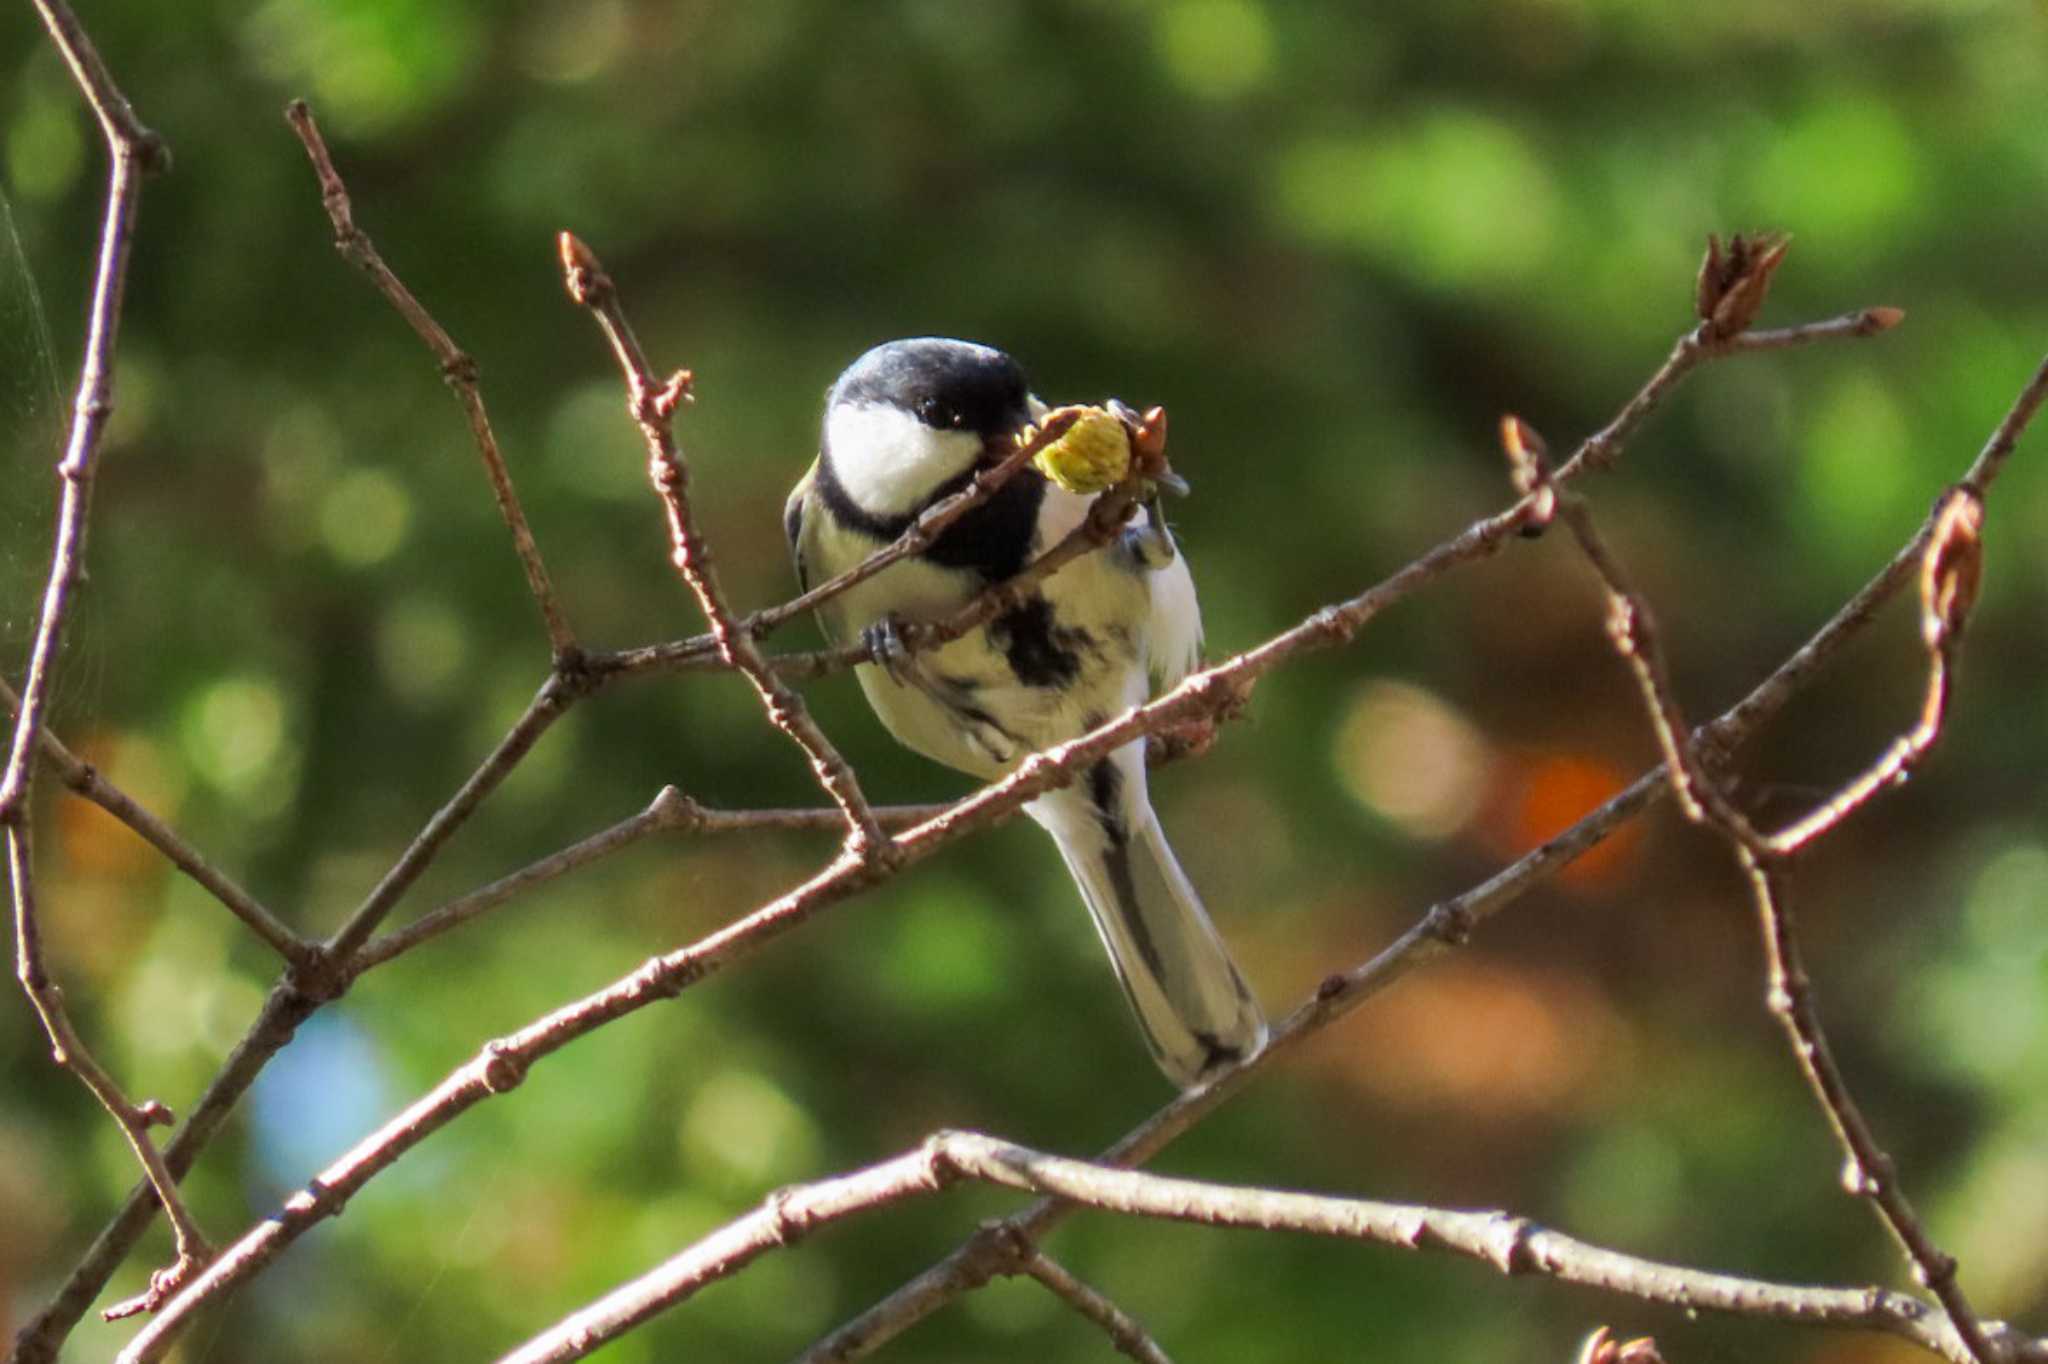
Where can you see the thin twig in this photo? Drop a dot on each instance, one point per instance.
(654, 409)
(133, 151)
(670, 811)
(1512, 1245)
(88, 781)
(921, 534)
(283, 1011)
(1866, 322)
(1121, 1327)
(70, 1052)
(458, 368)
(1870, 1173)
(1949, 587)
(549, 704)
(1633, 628)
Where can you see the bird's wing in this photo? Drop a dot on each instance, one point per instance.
(1174, 640)
(793, 524)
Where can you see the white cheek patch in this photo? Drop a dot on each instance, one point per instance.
(888, 461)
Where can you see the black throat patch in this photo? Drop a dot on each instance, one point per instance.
(993, 539)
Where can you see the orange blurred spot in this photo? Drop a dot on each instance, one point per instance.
(1484, 1039)
(1543, 794)
(92, 841)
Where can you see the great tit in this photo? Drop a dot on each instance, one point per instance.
(907, 424)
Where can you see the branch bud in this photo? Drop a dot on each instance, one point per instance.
(1529, 470)
(1732, 284)
(1952, 569)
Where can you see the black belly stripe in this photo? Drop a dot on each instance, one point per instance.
(1040, 652)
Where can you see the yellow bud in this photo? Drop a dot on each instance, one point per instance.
(1093, 453)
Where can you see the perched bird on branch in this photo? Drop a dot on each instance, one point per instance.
(908, 424)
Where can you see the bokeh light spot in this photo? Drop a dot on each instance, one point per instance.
(2007, 910)
(1412, 759)
(1459, 198)
(421, 648)
(367, 68)
(1485, 1039)
(1217, 49)
(743, 1131)
(1547, 793)
(365, 517)
(946, 952)
(592, 447)
(1855, 475)
(95, 842)
(234, 733)
(569, 43)
(320, 1094)
(45, 149)
(1844, 171)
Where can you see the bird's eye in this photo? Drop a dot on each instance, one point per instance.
(937, 412)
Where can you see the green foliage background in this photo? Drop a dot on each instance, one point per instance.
(1337, 241)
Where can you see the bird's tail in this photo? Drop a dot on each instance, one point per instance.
(1194, 1008)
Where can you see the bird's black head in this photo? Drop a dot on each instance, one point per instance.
(947, 385)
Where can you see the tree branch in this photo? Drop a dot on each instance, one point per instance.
(87, 780)
(458, 368)
(670, 811)
(1512, 1245)
(654, 410)
(1121, 1327)
(133, 151)
(1951, 566)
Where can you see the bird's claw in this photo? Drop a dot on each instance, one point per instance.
(886, 649)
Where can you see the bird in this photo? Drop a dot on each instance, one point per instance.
(907, 424)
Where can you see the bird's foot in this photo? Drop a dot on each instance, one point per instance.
(887, 649)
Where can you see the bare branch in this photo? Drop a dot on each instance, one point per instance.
(1949, 583)
(1512, 1245)
(458, 367)
(654, 409)
(1869, 1172)
(69, 1051)
(1122, 1328)
(548, 705)
(133, 151)
(283, 1011)
(670, 811)
(88, 782)
(1951, 565)
(1866, 322)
